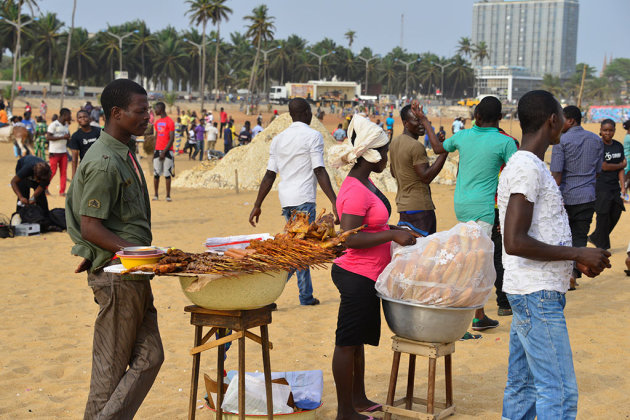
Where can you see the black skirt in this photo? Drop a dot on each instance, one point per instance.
(359, 319)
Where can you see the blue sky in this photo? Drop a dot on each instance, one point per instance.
(429, 25)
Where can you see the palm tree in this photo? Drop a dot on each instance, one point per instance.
(481, 51)
(45, 34)
(169, 57)
(200, 12)
(83, 52)
(460, 74)
(465, 47)
(65, 61)
(14, 12)
(552, 84)
(261, 29)
(143, 42)
(219, 12)
(350, 35)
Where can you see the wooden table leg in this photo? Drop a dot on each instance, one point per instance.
(448, 374)
(392, 383)
(220, 367)
(264, 335)
(241, 378)
(194, 379)
(410, 380)
(431, 387)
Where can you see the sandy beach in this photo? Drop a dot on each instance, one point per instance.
(48, 315)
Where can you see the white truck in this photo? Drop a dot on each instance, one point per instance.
(316, 91)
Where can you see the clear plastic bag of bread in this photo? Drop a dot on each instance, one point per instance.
(452, 269)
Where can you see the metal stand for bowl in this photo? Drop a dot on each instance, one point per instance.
(239, 322)
(431, 351)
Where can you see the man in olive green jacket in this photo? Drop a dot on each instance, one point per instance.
(107, 208)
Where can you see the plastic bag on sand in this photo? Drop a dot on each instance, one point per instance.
(451, 269)
(255, 397)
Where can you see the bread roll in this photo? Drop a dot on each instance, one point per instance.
(431, 248)
(453, 272)
(464, 299)
(453, 244)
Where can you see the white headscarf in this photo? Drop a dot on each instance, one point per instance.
(369, 137)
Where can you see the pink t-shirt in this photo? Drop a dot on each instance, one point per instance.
(356, 199)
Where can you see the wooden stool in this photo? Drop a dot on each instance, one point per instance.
(432, 351)
(239, 322)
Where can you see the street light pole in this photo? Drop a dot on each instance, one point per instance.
(18, 26)
(367, 62)
(442, 67)
(200, 63)
(319, 59)
(266, 62)
(120, 40)
(407, 64)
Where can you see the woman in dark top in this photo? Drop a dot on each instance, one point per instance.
(609, 187)
(360, 203)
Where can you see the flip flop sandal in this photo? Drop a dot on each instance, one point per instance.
(469, 336)
(627, 272)
(372, 409)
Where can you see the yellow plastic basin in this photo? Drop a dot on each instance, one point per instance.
(247, 291)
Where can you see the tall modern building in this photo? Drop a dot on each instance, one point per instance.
(538, 36)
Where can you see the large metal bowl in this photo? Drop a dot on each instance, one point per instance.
(431, 324)
(246, 291)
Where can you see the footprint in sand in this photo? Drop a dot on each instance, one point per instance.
(54, 373)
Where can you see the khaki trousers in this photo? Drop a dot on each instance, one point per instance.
(127, 351)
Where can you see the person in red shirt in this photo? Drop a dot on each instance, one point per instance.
(163, 160)
(224, 119)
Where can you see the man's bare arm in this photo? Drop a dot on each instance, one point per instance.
(428, 173)
(518, 220)
(75, 161)
(92, 230)
(263, 190)
(324, 181)
(614, 166)
(557, 176)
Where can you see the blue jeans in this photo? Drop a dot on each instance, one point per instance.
(303, 276)
(541, 380)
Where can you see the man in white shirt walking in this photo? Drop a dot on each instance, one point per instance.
(297, 155)
(212, 133)
(58, 135)
(537, 256)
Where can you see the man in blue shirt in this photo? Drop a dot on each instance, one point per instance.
(575, 163)
(340, 134)
(389, 122)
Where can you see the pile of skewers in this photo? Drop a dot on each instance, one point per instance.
(302, 245)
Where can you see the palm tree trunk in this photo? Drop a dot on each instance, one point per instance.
(49, 62)
(253, 73)
(65, 62)
(15, 54)
(79, 65)
(216, 66)
(142, 58)
(203, 65)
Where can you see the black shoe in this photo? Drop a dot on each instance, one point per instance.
(504, 311)
(484, 323)
(314, 302)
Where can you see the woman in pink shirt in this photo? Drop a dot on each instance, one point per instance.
(359, 203)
